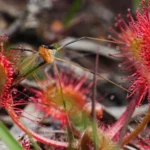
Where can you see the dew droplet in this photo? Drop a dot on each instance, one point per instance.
(19, 46)
(129, 10)
(119, 15)
(5, 37)
(119, 65)
(117, 47)
(116, 24)
(24, 90)
(122, 78)
(109, 36)
(120, 35)
(53, 95)
(112, 97)
(14, 91)
(30, 99)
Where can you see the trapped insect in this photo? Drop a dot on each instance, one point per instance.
(47, 53)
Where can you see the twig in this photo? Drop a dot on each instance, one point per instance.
(93, 103)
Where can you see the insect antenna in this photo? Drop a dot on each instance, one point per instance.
(98, 74)
(89, 38)
(23, 49)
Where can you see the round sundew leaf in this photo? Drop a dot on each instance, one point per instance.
(71, 98)
(102, 140)
(71, 101)
(2, 78)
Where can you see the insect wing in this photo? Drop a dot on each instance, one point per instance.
(27, 64)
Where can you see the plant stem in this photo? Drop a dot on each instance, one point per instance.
(93, 103)
(69, 128)
(138, 129)
(8, 139)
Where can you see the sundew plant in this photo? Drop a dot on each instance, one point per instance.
(66, 100)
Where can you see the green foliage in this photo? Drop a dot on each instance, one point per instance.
(136, 3)
(8, 139)
(75, 7)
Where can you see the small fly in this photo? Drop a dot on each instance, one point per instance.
(47, 53)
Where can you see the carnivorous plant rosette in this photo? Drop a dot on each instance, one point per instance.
(7, 73)
(135, 34)
(64, 96)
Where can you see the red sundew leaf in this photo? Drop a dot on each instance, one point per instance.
(144, 144)
(7, 72)
(49, 99)
(135, 36)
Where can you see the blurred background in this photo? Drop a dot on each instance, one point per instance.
(47, 21)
